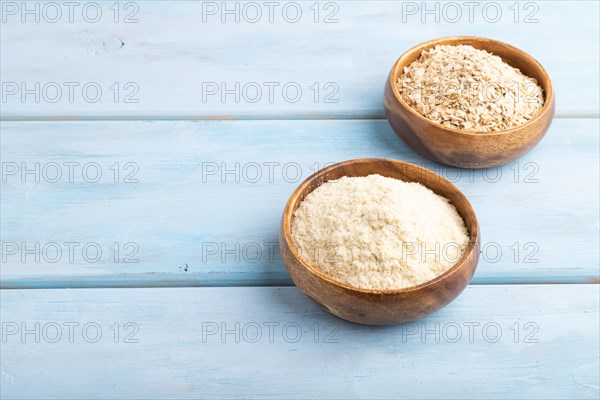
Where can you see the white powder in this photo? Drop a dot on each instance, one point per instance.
(378, 233)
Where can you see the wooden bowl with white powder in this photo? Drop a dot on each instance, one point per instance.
(379, 241)
(469, 102)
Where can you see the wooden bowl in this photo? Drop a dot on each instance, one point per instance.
(380, 307)
(458, 147)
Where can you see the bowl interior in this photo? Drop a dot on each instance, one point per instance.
(511, 55)
(391, 169)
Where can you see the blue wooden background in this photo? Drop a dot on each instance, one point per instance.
(169, 196)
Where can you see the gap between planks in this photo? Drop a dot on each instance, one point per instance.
(248, 117)
(115, 282)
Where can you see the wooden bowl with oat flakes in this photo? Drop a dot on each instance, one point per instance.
(465, 124)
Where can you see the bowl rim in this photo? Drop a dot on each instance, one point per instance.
(474, 234)
(548, 98)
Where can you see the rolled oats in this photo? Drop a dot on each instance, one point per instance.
(461, 87)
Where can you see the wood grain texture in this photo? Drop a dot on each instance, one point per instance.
(539, 216)
(380, 306)
(181, 353)
(353, 55)
(188, 207)
(458, 147)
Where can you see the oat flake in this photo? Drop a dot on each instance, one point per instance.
(461, 87)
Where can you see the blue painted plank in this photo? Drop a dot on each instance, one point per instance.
(209, 195)
(274, 343)
(340, 67)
